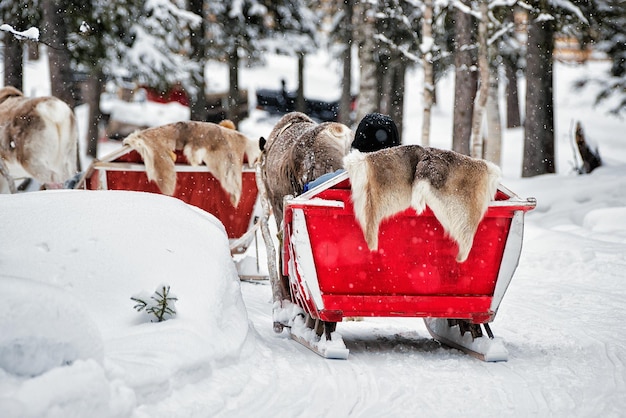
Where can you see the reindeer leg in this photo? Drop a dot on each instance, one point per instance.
(279, 291)
(5, 173)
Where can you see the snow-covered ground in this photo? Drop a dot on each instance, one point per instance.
(71, 343)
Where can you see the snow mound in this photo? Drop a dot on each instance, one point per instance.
(32, 318)
(608, 220)
(70, 260)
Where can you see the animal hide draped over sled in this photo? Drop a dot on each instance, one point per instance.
(221, 148)
(455, 187)
(297, 151)
(39, 134)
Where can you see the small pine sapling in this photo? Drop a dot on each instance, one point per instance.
(161, 304)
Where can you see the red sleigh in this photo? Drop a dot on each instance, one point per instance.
(332, 274)
(195, 185)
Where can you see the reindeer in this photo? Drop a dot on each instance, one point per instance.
(38, 135)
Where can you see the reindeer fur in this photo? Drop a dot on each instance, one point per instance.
(455, 187)
(39, 134)
(220, 147)
(297, 151)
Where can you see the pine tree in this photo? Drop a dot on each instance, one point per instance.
(55, 15)
(294, 31)
(161, 304)
(234, 29)
(144, 41)
(198, 102)
(368, 87)
(342, 32)
(546, 17)
(19, 15)
(476, 149)
(608, 34)
(388, 33)
(466, 77)
(399, 27)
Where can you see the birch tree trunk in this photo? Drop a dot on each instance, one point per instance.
(368, 92)
(429, 80)
(483, 65)
(493, 144)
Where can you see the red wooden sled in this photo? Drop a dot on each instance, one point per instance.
(333, 275)
(124, 170)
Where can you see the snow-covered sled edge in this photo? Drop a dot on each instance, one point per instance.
(485, 348)
(333, 348)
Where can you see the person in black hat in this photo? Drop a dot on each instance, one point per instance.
(375, 132)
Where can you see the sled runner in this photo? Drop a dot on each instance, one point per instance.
(331, 274)
(124, 170)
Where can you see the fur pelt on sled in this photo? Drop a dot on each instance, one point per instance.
(297, 151)
(38, 135)
(220, 147)
(455, 187)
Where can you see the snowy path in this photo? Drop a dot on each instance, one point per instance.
(560, 321)
(556, 368)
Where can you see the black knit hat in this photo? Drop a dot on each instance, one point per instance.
(375, 132)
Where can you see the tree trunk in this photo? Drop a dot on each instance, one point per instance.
(55, 31)
(493, 145)
(429, 79)
(33, 51)
(368, 92)
(93, 89)
(483, 64)
(13, 62)
(466, 81)
(300, 103)
(396, 110)
(233, 87)
(345, 103)
(384, 75)
(512, 101)
(198, 54)
(539, 122)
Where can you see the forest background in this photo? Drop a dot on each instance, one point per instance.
(487, 43)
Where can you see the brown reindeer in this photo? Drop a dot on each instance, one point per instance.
(297, 151)
(39, 134)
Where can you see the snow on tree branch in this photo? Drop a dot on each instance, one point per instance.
(570, 7)
(31, 34)
(164, 9)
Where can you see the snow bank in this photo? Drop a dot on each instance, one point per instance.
(147, 113)
(70, 261)
(30, 319)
